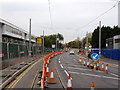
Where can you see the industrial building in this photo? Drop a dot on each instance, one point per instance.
(113, 43)
(13, 34)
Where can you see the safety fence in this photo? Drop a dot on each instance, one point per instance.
(10, 51)
(45, 61)
(109, 53)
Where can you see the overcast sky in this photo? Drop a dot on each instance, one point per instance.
(68, 16)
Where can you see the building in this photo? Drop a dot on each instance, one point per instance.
(113, 43)
(13, 34)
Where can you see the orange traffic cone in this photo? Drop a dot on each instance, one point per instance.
(98, 65)
(102, 69)
(69, 85)
(80, 61)
(94, 66)
(52, 77)
(92, 86)
(48, 61)
(47, 71)
(88, 63)
(45, 66)
(84, 62)
(106, 68)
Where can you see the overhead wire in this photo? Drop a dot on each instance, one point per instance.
(97, 17)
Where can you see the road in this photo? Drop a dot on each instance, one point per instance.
(82, 77)
(62, 66)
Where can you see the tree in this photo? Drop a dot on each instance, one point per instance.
(74, 44)
(51, 39)
(106, 32)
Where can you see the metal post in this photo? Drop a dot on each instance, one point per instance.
(43, 41)
(87, 43)
(1, 54)
(30, 37)
(18, 50)
(78, 42)
(56, 42)
(8, 54)
(82, 44)
(119, 14)
(99, 37)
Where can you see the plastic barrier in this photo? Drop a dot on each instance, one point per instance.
(45, 61)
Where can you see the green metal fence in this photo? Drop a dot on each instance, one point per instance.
(11, 51)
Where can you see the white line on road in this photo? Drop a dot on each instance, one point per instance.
(113, 74)
(59, 61)
(61, 65)
(74, 60)
(82, 69)
(94, 75)
(67, 73)
(59, 58)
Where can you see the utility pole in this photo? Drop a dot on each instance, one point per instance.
(87, 43)
(30, 37)
(56, 42)
(82, 44)
(119, 14)
(43, 41)
(78, 42)
(99, 37)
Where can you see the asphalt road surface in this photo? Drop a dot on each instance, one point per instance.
(82, 77)
(66, 64)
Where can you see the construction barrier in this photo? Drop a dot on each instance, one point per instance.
(45, 70)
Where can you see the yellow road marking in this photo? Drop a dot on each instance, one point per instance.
(18, 79)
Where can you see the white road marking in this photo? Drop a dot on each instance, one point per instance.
(61, 65)
(59, 61)
(94, 75)
(59, 58)
(83, 69)
(113, 74)
(74, 60)
(67, 73)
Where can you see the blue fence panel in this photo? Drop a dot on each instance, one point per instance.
(109, 53)
(95, 51)
(116, 54)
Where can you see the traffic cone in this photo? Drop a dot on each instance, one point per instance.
(92, 86)
(52, 77)
(80, 61)
(102, 69)
(47, 71)
(69, 85)
(45, 66)
(94, 66)
(91, 66)
(88, 63)
(106, 68)
(48, 61)
(84, 62)
(98, 65)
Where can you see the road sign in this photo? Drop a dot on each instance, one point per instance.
(95, 56)
(53, 46)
